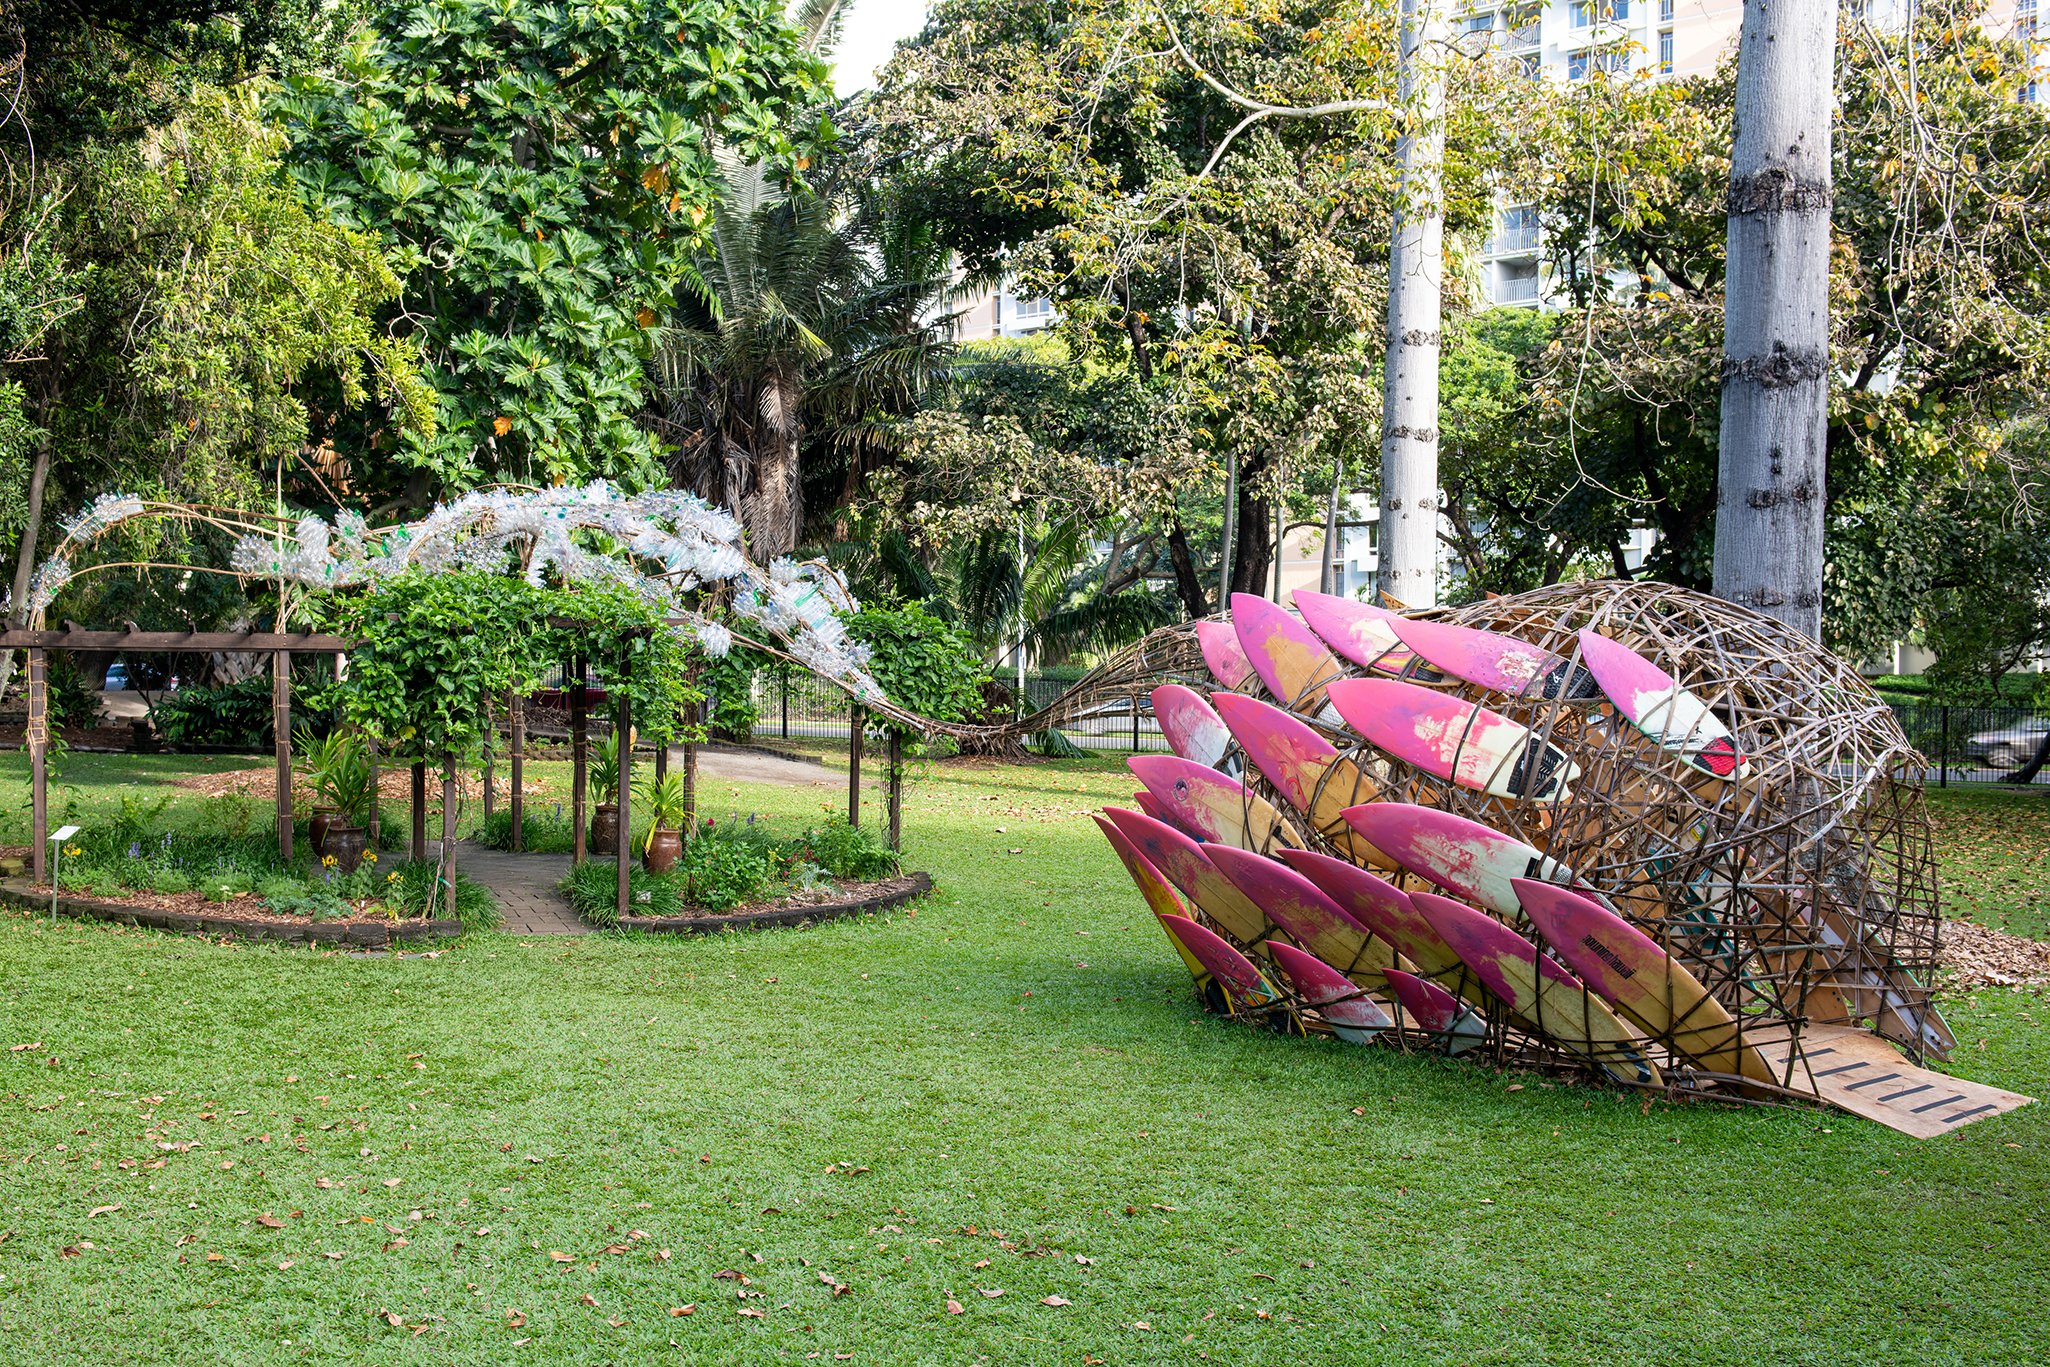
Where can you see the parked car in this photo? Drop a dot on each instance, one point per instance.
(2011, 746)
(117, 677)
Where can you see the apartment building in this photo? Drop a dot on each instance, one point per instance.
(1002, 312)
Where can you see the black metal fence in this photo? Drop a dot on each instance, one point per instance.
(1974, 744)
(803, 706)
(1962, 744)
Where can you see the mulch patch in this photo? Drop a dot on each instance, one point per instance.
(795, 909)
(1980, 956)
(242, 914)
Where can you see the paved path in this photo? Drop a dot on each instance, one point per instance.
(525, 885)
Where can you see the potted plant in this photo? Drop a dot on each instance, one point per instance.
(321, 759)
(355, 800)
(604, 781)
(668, 807)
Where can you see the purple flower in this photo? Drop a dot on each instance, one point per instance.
(135, 849)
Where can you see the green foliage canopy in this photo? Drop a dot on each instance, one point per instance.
(543, 176)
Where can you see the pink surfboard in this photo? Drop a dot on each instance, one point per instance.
(1632, 972)
(1653, 702)
(1493, 661)
(1223, 656)
(1201, 800)
(1538, 989)
(1436, 1011)
(1291, 660)
(1192, 727)
(1246, 985)
(1352, 1015)
(1150, 805)
(1296, 760)
(1378, 905)
(1360, 632)
(1455, 740)
(1463, 857)
(1182, 862)
(1159, 896)
(1303, 912)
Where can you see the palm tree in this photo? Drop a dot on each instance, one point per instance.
(820, 314)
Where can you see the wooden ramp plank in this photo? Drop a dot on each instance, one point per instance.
(1857, 1071)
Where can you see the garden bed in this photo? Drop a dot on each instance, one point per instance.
(796, 909)
(242, 915)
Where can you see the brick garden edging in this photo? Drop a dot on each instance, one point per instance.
(915, 885)
(356, 935)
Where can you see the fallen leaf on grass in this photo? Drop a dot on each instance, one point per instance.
(559, 1256)
(682, 1310)
(217, 1257)
(514, 1319)
(270, 1221)
(983, 1263)
(101, 1210)
(992, 1293)
(391, 1181)
(68, 1251)
(727, 1274)
(587, 1299)
(22, 1048)
(332, 1257)
(753, 1313)
(1055, 1300)
(389, 1318)
(615, 1249)
(954, 1307)
(285, 1266)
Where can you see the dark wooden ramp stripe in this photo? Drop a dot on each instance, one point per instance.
(1844, 1068)
(1967, 1115)
(1872, 1081)
(1906, 1091)
(1949, 1100)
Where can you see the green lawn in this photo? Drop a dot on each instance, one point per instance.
(1007, 1090)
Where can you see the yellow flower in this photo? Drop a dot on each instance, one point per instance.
(392, 877)
(71, 851)
(370, 856)
(327, 861)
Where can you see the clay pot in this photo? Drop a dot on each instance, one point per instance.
(346, 844)
(665, 847)
(605, 828)
(318, 825)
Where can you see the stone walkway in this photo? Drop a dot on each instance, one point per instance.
(525, 885)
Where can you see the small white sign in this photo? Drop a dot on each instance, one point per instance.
(64, 833)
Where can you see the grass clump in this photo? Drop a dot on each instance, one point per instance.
(545, 832)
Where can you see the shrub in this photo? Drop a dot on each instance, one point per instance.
(847, 851)
(728, 866)
(70, 702)
(408, 888)
(236, 715)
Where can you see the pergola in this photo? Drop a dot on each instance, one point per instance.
(282, 646)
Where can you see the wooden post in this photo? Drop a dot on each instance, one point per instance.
(896, 790)
(448, 831)
(518, 713)
(690, 772)
(38, 763)
(579, 758)
(854, 765)
(419, 850)
(623, 720)
(490, 745)
(281, 728)
(376, 819)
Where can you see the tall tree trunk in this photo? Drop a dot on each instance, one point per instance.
(1416, 267)
(25, 551)
(773, 509)
(1252, 543)
(1188, 585)
(1775, 400)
